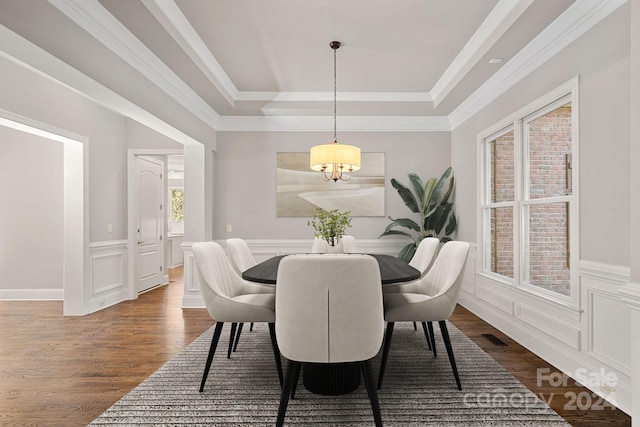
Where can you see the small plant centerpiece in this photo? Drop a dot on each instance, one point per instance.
(331, 225)
(431, 202)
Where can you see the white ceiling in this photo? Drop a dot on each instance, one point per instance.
(226, 60)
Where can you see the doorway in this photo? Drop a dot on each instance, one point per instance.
(147, 218)
(75, 208)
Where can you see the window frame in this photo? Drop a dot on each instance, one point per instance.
(170, 203)
(517, 122)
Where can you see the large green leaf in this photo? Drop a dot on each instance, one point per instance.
(435, 196)
(426, 194)
(395, 233)
(441, 219)
(403, 222)
(445, 198)
(407, 252)
(407, 196)
(417, 186)
(452, 225)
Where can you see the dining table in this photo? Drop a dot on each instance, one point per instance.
(335, 378)
(392, 270)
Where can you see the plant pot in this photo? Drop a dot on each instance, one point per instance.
(337, 248)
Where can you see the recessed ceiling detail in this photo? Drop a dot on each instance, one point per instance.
(242, 65)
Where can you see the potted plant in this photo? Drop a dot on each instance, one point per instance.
(331, 225)
(431, 201)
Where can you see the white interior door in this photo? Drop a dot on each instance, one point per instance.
(149, 201)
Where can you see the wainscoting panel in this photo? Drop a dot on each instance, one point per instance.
(594, 338)
(494, 295)
(549, 325)
(108, 273)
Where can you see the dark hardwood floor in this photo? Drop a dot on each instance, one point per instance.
(65, 371)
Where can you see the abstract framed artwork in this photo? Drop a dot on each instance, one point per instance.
(301, 190)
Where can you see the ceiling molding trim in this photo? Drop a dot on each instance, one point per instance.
(97, 21)
(499, 20)
(325, 123)
(341, 96)
(169, 15)
(580, 17)
(35, 59)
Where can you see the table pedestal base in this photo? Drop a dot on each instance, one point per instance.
(331, 379)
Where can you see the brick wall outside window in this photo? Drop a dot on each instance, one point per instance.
(549, 145)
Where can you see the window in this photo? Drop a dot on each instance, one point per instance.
(528, 200)
(176, 203)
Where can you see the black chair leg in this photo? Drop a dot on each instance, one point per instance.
(385, 352)
(433, 338)
(286, 391)
(235, 344)
(367, 373)
(415, 327)
(212, 351)
(295, 381)
(251, 327)
(447, 344)
(276, 350)
(233, 334)
(426, 335)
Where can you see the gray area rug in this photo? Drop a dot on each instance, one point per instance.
(418, 389)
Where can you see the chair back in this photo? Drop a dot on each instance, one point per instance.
(240, 254)
(329, 308)
(425, 253)
(443, 280)
(217, 276)
(349, 244)
(319, 246)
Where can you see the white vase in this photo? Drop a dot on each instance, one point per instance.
(337, 248)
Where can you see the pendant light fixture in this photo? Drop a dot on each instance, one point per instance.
(336, 161)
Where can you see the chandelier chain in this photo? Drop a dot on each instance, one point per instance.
(335, 91)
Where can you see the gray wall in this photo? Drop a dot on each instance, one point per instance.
(245, 177)
(601, 59)
(31, 215)
(32, 96)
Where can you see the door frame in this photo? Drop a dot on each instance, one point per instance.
(76, 283)
(131, 220)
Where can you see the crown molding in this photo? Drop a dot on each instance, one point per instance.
(580, 17)
(341, 96)
(97, 21)
(325, 123)
(169, 15)
(499, 20)
(35, 59)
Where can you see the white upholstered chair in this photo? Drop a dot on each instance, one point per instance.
(240, 255)
(432, 298)
(319, 246)
(421, 260)
(242, 259)
(349, 244)
(425, 254)
(329, 310)
(229, 298)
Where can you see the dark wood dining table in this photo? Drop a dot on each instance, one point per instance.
(336, 378)
(392, 270)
